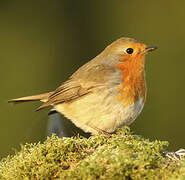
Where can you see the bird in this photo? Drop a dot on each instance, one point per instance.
(104, 94)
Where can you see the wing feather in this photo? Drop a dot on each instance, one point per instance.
(81, 83)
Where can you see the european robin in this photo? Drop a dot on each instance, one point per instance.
(104, 94)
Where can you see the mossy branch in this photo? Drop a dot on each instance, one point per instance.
(122, 156)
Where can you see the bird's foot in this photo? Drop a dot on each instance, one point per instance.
(100, 131)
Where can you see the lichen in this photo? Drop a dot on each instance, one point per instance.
(122, 156)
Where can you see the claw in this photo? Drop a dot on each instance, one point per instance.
(100, 131)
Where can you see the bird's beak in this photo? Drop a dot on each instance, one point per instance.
(149, 49)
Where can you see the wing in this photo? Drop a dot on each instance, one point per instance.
(81, 83)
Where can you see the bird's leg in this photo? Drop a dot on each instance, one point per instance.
(100, 131)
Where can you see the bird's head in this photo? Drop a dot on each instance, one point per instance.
(126, 52)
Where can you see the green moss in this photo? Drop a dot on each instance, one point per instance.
(122, 156)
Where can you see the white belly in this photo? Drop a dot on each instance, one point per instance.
(100, 110)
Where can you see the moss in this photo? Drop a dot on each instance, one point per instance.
(122, 156)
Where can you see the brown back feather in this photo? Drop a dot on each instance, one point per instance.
(80, 84)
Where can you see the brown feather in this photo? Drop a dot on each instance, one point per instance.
(80, 84)
(39, 97)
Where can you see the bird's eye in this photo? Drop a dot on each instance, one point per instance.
(129, 50)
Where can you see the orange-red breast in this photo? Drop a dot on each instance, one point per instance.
(104, 94)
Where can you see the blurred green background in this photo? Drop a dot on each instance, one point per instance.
(43, 42)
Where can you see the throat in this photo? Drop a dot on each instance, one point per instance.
(133, 85)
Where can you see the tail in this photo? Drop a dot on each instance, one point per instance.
(39, 97)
